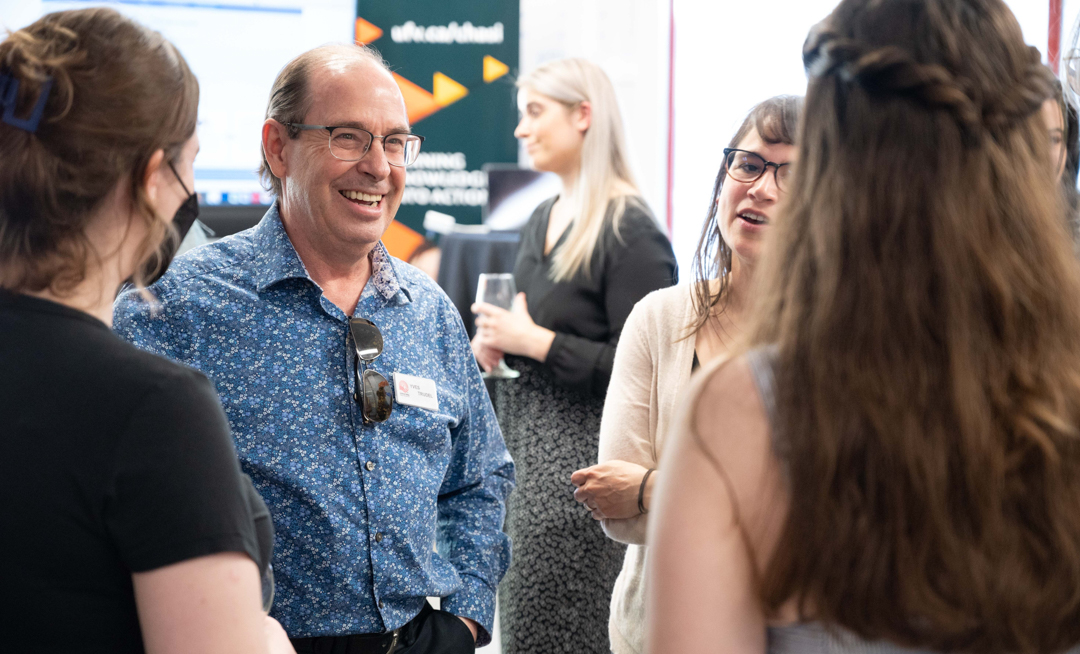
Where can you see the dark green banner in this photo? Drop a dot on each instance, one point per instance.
(455, 61)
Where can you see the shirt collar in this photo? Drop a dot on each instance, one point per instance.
(276, 260)
(275, 257)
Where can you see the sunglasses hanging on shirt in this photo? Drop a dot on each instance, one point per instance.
(373, 393)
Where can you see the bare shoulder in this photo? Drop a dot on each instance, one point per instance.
(727, 404)
(733, 430)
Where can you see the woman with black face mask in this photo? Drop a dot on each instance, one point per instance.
(127, 523)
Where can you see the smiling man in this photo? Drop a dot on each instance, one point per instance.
(354, 399)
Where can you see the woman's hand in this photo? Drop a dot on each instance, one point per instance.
(487, 357)
(512, 332)
(610, 489)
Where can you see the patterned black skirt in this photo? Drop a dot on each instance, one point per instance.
(556, 595)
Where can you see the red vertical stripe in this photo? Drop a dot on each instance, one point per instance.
(671, 118)
(1053, 52)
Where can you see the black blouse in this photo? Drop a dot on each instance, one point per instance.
(587, 312)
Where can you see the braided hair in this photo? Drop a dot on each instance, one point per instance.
(892, 70)
(921, 294)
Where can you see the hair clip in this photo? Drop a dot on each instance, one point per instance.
(9, 95)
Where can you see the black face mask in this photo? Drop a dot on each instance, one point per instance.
(183, 220)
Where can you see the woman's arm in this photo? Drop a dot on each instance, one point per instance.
(208, 604)
(718, 510)
(627, 435)
(633, 267)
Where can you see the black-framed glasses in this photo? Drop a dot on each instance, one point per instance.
(353, 143)
(748, 167)
(373, 393)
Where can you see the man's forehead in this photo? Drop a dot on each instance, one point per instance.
(360, 90)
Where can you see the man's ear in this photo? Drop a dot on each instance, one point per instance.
(152, 177)
(274, 137)
(583, 116)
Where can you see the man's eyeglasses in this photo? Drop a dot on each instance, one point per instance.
(373, 393)
(353, 143)
(748, 167)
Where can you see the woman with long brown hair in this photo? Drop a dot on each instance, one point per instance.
(127, 523)
(896, 457)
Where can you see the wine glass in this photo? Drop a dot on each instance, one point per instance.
(498, 289)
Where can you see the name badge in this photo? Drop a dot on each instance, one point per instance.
(415, 391)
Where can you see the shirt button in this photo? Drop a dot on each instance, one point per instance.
(370, 465)
(380, 604)
(378, 537)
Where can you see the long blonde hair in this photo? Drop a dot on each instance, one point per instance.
(603, 157)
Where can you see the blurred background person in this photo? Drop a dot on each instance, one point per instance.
(896, 458)
(1063, 129)
(673, 331)
(586, 257)
(427, 257)
(128, 524)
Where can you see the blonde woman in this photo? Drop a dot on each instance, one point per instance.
(587, 256)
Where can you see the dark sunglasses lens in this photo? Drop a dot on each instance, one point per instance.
(378, 397)
(368, 338)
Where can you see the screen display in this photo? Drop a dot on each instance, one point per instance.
(235, 48)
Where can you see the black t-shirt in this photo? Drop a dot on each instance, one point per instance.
(587, 312)
(112, 461)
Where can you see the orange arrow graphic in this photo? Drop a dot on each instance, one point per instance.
(366, 32)
(418, 103)
(494, 69)
(446, 90)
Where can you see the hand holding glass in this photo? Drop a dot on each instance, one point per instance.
(497, 289)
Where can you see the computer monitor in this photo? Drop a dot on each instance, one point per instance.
(235, 48)
(514, 193)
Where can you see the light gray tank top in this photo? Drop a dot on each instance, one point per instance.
(811, 637)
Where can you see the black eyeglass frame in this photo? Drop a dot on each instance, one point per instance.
(378, 411)
(776, 167)
(331, 128)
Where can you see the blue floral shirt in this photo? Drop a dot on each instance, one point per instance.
(359, 509)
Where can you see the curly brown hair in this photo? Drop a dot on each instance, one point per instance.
(923, 297)
(120, 92)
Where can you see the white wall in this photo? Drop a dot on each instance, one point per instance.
(629, 40)
(725, 63)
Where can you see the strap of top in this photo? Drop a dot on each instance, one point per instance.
(762, 362)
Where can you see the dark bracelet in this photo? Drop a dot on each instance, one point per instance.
(641, 492)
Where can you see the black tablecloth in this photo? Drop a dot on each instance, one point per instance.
(465, 256)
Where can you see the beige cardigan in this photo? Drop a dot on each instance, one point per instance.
(651, 374)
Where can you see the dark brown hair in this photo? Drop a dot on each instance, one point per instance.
(120, 92)
(775, 120)
(923, 297)
(290, 97)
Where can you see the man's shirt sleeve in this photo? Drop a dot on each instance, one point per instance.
(148, 325)
(472, 500)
